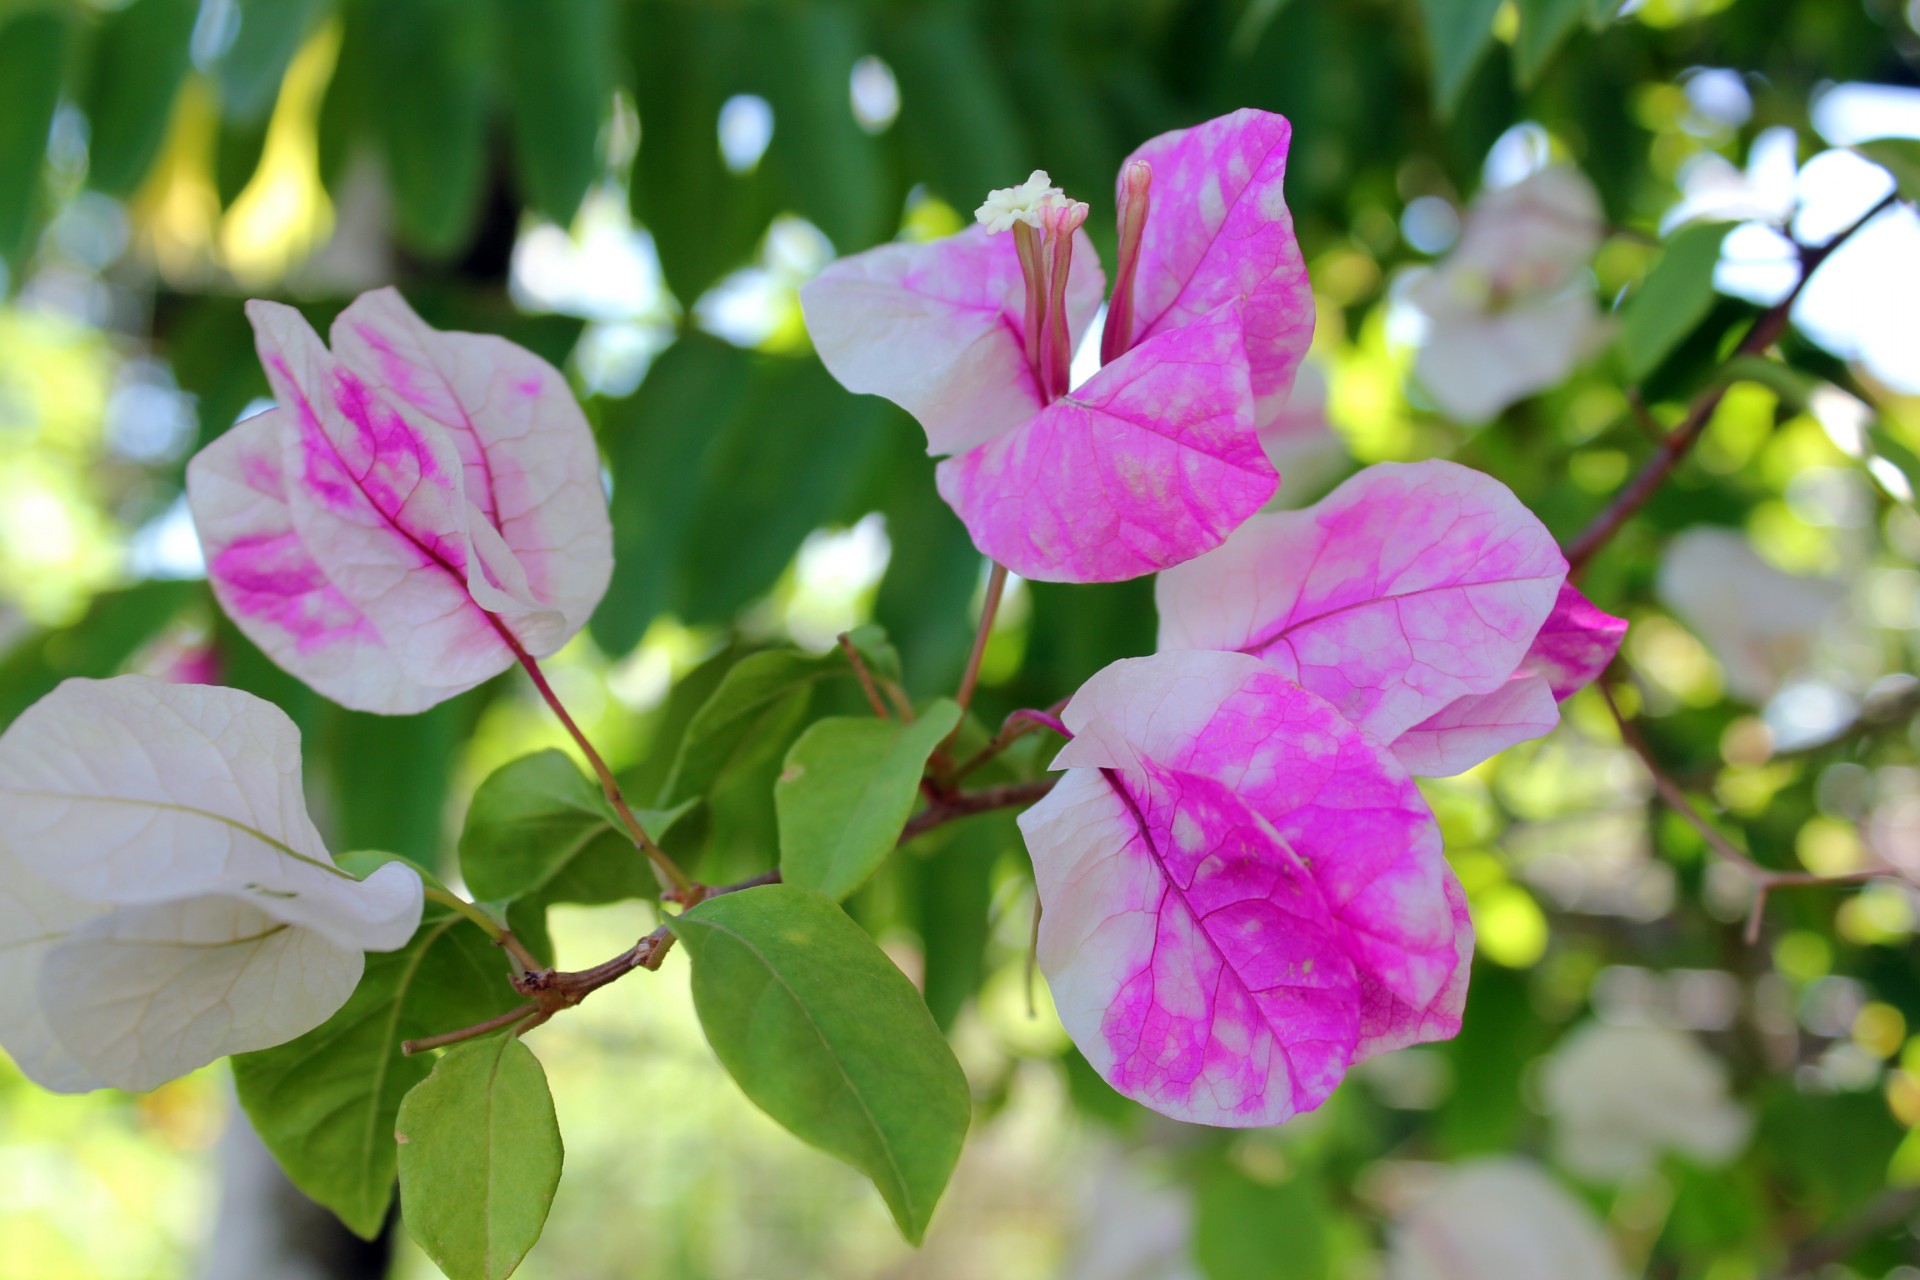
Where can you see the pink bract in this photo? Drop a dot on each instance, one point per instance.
(1242, 893)
(419, 506)
(1152, 461)
(1409, 597)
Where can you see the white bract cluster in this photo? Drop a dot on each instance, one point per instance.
(164, 897)
(1511, 311)
(1620, 1096)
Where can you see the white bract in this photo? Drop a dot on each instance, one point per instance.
(1620, 1096)
(1760, 622)
(1510, 311)
(1500, 1218)
(164, 897)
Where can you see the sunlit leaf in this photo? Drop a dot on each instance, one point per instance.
(480, 1158)
(847, 791)
(1676, 296)
(823, 1033)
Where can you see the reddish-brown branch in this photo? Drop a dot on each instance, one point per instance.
(962, 804)
(1676, 443)
(551, 990)
(859, 665)
(1764, 879)
(996, 587)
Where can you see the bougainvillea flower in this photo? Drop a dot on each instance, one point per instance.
(1421, 599)
(1510, 311)
(1154, 459)
(164, 897)
(1241, 893)
(420, 508)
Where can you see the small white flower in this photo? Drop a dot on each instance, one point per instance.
(1620, 1096)
(164, 897)
(1023, 203)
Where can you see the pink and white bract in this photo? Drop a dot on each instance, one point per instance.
(420, 509)
(1421, 599)
(1242, 893)
(1155, 458)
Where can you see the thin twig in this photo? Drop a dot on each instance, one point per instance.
(966, 803)
(474, 1032)
(996, 587)
(1015, 727)
(551, 990)
(1884, 1215)
(1764, 879)
(1675, 444)
(859, 665)
(673, 880)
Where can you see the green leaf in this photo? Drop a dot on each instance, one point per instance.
(325, 1103)
(756, 693)
(1899, 157)
(557, 68)
(655, 440)
(1458, 33)
(540, 832)
(825, 1035)
(793, 479)
(480, 1158)
(1675, 297)
(270, 33)
(33, 56)
(1544, 27)
(956, 118)
(140, 58)
(688, 58)
(116, 625)
(828, 165)
(847, 792)
(429, 61)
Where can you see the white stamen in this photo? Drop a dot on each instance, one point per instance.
(1019, 204)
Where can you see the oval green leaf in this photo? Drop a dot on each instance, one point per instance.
(325, 1103)
(847, 792)
(480, 1158)
(825, 1035)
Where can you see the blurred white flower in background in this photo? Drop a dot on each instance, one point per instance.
(1620, 1096)
(1511, 310)
(1502, 1218)
(1131, 1227)
(1759, 622)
